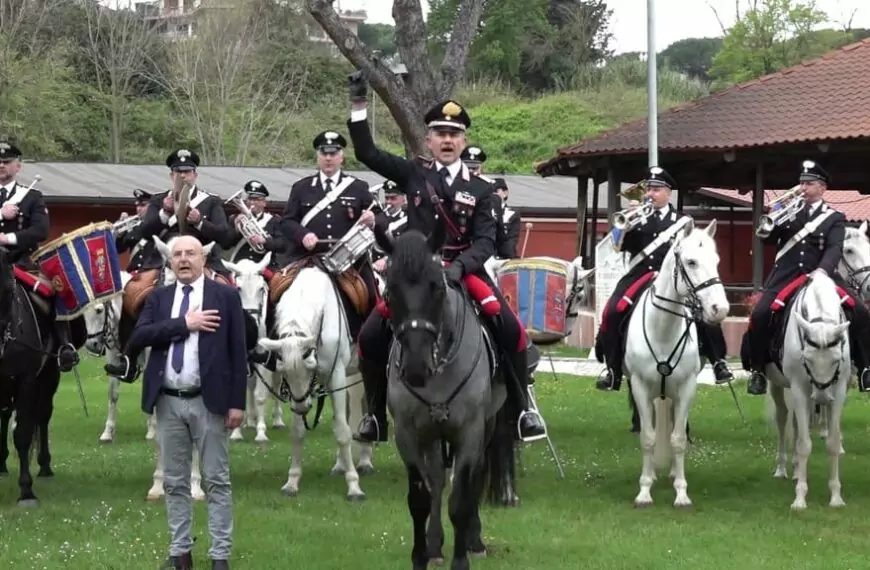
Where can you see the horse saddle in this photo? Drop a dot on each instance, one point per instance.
(350, 283)
(141, 284)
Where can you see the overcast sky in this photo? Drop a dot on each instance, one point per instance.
(675, 19)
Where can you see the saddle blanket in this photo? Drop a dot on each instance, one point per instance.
(785, 294)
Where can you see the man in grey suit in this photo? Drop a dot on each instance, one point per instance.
(196, 378)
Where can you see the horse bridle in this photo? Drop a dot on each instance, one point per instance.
(854, 273)
(108, 332)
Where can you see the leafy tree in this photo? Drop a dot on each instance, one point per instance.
(692, 56)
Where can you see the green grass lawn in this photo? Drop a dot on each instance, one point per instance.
(93, 513)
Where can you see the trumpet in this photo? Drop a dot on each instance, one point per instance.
(126, 225)
(626, 220)
(249, 227)
(782, 210)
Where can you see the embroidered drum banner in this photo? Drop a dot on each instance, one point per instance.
(83, 267)
(535, 290)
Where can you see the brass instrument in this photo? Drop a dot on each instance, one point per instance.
(181, 199)
(126, 225)
(782, 210)
(248, 227)
(626, 220)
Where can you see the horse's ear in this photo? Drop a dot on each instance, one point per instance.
(264, 263)
(161, 247)
(689, 228)
(711, 229)
(206, 249)
(232, 267)
(863, 227)
(841, 329)
(803, 324)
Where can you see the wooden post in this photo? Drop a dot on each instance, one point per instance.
(757, 244)
(589, 261)
(582, 198)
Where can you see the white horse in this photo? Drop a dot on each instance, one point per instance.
(316, 350)
(816, 367)
(102, 322)
(662, 356)
(855, 264)
(156, 491)
(254, 292)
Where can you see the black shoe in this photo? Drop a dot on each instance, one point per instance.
(607, 383)
(531, 426)
(371, 430)
(122, 369)
(757, 384)
(183, 562)
(67, 357)
(864, 380)
(722, 372)
(220, 565)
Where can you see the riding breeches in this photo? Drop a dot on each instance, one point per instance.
(759, 330)
(712, 341)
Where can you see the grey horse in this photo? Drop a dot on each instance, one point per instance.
(441, 397)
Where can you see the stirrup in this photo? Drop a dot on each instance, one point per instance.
(62, 348)
(532, 412)
(127, 367)
(358, 437)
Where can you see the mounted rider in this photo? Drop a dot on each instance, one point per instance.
(24, 225)
(129, 238)
(326, 206)
(648, 242)
(809, 243)
(453, 206)
(238, 247)
(206, 221)
(397, 220)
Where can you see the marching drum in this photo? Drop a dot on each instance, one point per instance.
(535, 290)
(347, 251)
(83, 267)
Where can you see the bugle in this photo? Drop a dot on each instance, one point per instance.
(125, 225)
(248, 227)
(782, 210)
(629, 218)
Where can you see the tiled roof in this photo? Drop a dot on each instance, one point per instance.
(855, 206)
(820, 99)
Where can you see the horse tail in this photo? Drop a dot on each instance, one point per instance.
(500, 457)
(663, 453)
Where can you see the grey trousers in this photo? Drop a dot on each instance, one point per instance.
(180, 424)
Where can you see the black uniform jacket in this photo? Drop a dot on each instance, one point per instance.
(30, 227)
(239, 249)
(213, 227)
(468, 236)
(640, 237)
(821, 248)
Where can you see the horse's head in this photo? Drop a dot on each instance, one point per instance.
(822, 330)
(416, 295)
(855, 263)
(101, 322)
(298, 323)
(253, 289)
(694, 261)
(168, 276)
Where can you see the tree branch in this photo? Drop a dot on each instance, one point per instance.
(464, 29)
(405, 108)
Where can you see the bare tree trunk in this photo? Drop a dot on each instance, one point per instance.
(407, 100)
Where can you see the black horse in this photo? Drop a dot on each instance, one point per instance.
(29, 378)
(441, 395)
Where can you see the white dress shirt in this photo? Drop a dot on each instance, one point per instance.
(189, 375)
(663, 211)
(452, 170)
(323, 178)
(812, 208)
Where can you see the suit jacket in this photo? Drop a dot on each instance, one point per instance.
(31, 225)
(222, 354)
(640, 237)
(213, 228)
(476, 243)
(822, 248)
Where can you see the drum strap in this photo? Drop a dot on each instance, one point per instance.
(328, 199)
(138, 247)
(20, 193)
(264, 219)
(397, 224)
(663, 238)
(808, 228)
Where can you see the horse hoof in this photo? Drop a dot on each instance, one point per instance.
(153, 497)
(45, 473)
(356, 498)
(363, 470)
(28, 503)
(683, 505)
(289, 492)
(481, 554)
(837, 503)
(436, 561)
(642, 503)
(337, 471)
(106, 440)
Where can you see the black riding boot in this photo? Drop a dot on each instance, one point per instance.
(721, 372)
(373, 426)
(67, 355)
(757, 383)
(531, 424)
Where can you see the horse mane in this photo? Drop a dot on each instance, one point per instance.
(411, 260)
